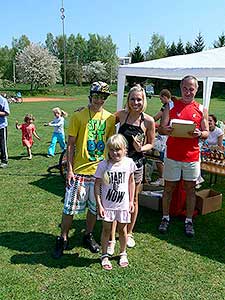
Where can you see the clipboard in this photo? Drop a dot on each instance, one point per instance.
(181, 128)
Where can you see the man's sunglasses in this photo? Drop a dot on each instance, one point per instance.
(99, 96)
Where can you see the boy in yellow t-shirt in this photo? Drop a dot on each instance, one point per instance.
(88, 132)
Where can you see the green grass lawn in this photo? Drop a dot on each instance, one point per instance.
(161, 267)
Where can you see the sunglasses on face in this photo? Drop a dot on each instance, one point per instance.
(99, 96)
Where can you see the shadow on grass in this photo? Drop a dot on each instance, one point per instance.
(37, 248)
(209, 240)
(51, 183)
(24, 156)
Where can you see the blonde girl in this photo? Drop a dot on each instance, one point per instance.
(114, 192)
(58, 134)
(139, 130)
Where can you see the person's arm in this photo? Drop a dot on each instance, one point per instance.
(203, 132)
(17, 125)
(131, 192)
(3, 114)
(158, 116)
(35, 134)
(97, 191)
(56, 124)
(164, 127)
(220, 141)
(5, 109)
(150, 136)
(70, 157)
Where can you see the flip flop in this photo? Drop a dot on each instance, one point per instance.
(123, 262)
(106, 264)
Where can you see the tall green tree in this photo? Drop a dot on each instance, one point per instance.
(6, 63)
(157, 47)
(189, 48)
(180, 47)
(199, 43)
(220, 42)
(136, 56)
(172, 49)
(19, 44)
(50, 44)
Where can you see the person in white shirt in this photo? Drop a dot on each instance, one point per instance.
(215, 137)
(58, 134)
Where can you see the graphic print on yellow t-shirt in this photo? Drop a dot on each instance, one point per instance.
(91, 132)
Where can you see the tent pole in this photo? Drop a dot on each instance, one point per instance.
(207, 89)
(120, 89)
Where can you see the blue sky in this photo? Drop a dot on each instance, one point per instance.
(129, 22)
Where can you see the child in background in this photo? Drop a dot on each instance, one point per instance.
(28, 130)
(114, 192)
(58, 133)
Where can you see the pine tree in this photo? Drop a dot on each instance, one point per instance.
(199, 43)
(180, 47)
(220, 42)
(172, 50)
(189, 48)
(137, 55)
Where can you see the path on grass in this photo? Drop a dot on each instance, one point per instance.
(45, 99)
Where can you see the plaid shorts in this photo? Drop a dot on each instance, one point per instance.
(80, 195)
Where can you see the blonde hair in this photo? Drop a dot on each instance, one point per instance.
(116, 141)
(60, 111)
(137, 89)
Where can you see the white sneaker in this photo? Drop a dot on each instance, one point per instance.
(158, 182)
(111, 247)
(130, 241)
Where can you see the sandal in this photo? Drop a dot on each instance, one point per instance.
(106, 264)
(123, 262)
(111, 247)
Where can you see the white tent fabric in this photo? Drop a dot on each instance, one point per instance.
(207, 66)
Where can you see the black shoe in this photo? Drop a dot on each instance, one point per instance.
(59, 247)
(90, 243)
(189, 229)
(163, 227)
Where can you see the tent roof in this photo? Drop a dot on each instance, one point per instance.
(209, 63)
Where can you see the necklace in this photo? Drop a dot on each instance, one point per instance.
(95, 124)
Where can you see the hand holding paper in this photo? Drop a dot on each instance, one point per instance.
(182, 128)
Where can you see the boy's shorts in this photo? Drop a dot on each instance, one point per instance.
(80, 195)
(175, 170)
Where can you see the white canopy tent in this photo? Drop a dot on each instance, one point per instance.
(207, 66)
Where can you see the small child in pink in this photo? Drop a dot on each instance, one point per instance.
(114, 192)
(28, 130)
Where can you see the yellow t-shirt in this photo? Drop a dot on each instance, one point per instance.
(91, 131)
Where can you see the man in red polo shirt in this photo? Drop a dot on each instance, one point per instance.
(183, 154)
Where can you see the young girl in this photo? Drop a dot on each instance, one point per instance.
(58, 133)
(28, 130)
(114, 192)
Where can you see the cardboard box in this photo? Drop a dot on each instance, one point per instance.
(208, 201)
(152, 200)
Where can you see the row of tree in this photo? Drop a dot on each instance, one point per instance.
(86, 59)
(89, 59)
(158, 48)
